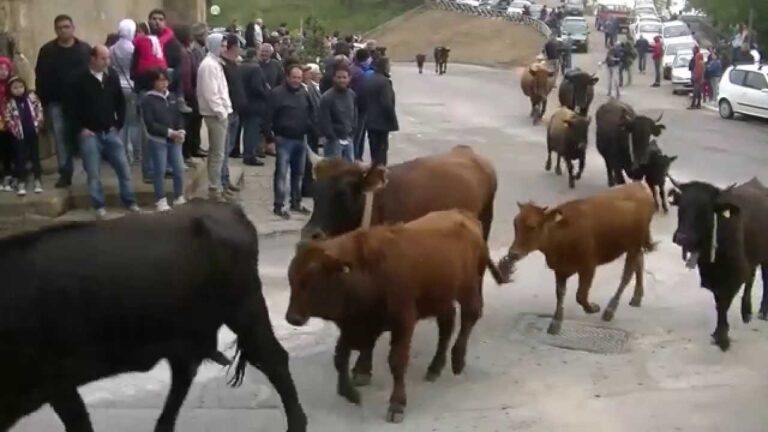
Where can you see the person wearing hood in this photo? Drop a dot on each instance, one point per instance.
(230, 53)
(121, 55)
(657, 54)
(360, 71)
(149, 49)
(57, 61)
(697, 78)
(23, 115)
(165, 135)
(7, 153)
(215, 106)
(194, 121)
(378, 96)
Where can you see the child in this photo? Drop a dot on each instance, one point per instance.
(6, 145)
(165, 134)
(23, 115)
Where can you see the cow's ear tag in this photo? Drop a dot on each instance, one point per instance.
(726, 213)
(558, 217)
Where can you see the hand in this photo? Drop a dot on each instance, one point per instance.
(86, 132)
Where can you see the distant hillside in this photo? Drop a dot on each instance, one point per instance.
(346, 16)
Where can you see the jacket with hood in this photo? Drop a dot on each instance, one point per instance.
(56, 65)
(149, 51)
(657, 48)
(17, 110)
(160, 114)
(212, 90)
(122, 52)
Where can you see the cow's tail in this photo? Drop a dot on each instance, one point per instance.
(495, 272)
(239, 362)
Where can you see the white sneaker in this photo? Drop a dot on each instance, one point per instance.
(101, 213)
(134, 209)
(38, 186)
(162, 205)
(7, 185)
(179, 201)
(21, 190)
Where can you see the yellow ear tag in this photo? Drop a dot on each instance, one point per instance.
(558, 217)
(726, 213)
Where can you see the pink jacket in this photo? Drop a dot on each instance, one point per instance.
(149, 51)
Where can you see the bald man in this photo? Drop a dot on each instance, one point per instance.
(98, 113)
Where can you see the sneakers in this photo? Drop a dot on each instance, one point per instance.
(162, 205)
(7, 185)
(216, 195)
(134, 209)
(21, 189)
(101, 213)
(38, 186)
(282, 213)
(179, 201)
(253, 162)
(300, 209)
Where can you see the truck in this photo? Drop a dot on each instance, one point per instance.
(618, 11)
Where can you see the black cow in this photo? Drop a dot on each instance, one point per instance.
(623, 138)
(441, 59)
(654, 172)
(420, 59)
(567, 136)
(723, 232)
(85, 301)
(577, 90)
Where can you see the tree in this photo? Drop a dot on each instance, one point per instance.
(313, 47)
(730, 12)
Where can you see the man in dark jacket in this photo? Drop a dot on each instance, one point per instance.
(252, 115)
(56, 62)
(289, 119)
(360, 71)
(329, 66)
(378, 96)
(642, 47)
(230, 51)
(98, 111)
(273, 69)
(337, 116)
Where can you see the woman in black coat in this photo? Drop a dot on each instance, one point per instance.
(378, 98)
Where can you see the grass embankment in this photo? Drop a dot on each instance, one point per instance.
(347, 16)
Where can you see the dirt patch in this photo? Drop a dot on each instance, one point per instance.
(473, 40)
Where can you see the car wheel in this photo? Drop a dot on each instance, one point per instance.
(725, 109)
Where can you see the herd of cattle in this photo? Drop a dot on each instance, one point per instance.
(384, 248)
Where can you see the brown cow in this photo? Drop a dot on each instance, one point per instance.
(579, 235)
(420, 59)
(537, 82)
(567, 137)
(441, 54)
(386, 279)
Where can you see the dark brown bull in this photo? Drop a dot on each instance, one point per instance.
(441, 59)
(577, 90)
(567, 136)
(537, 82)
(420, 59)
(580, 235)
(386, 279)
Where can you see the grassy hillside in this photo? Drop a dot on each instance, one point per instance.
(344, 15)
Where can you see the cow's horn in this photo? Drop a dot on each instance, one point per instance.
(314, 158)
(660, 116)
(674, 182)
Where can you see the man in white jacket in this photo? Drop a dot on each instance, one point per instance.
(215, 107)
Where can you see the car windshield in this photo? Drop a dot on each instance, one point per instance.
(674, 49)
(649, 28)
(683, 59)
(575, 27)
(676, 31)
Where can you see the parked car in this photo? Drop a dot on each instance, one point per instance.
(681, 75)
(475, 3)
(536, 10)
(670, 52)
(517, 7)
(618, 12)
(574, 7)
(744, 90)
(649, 30)
(675, 32)
(575, 29)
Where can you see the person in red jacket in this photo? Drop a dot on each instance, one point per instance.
(657, 51)
(697, 78)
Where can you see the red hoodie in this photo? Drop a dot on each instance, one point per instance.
(657, 49)
(147, 58)
(7, 62)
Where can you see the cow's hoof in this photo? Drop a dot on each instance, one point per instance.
(361, 379)
(746, 318)
(548, 166)
(457, 365)
(431, 376)
(571, 184)
(554, 327)
(350, 393)
(396, 413)
(592, 308)
(558, 171)
(636, 302)
(722, 341)
(608, 314)
(763, 315)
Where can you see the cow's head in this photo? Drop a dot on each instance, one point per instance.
(699, 208)
(578, 128)
(642, 130)
(531, 226)
(317, 283)
(541, 78)
(582, 85)
(339, 195)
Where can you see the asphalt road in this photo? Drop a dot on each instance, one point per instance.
(666, 377)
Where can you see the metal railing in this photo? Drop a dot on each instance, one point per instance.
(488, 12)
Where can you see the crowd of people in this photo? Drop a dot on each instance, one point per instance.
(142, 97)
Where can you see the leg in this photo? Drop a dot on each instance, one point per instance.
(298, 161)
(332, 149)
(251, 137)
(582, 163)
(34, 156)
(763, 315)
(159, 156)
(217, 135)
(558, 170)
(609, 172)
(359, 136)
(400, 348)
(471, 310)
(280, 178)
(663, 196)
(114, 152)
(637, 296)
(61, 137)
(182, 374)
(548, 164)
(363, 370)
(445, 323)
(543, 108)
(69, 406)
(21, 151)
(557, 319)
(176, 160)
(569, 167)
(723, 303)
(233, 124)
(582, 294)
(344, 386)
(746, 298)
(630, 265)
(90, 151)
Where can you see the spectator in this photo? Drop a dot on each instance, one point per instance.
(23, 115)
(253, 114)
(543, 13)
(613, 62)
(628, 55)
(337, 116)
(290, 119)
(230, 54)
(642, 47)
(121, 56)
(698, 80)
(165, 134)
(57, 61)
(149, 49)
(112, 39)
(98, 109)
(215, 107)
(21, 65)
(378, 96)
(552, 51)
(251, 31)
(658, 55)
(233, 27)
(312, 77)
(610, 32)
(194, 121)
(272, 68)
(282, 30)
(187, 75)
(714, 72)
(360, 71)
(6, 139)
(340, 49)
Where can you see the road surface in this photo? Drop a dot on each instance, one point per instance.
(664, 376)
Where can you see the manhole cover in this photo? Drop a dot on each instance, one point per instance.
(575, 335)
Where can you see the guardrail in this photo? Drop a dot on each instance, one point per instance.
(487, 12)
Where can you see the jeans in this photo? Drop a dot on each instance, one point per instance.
(613, 80)
(62, 137)
(379, 141)
(334, 149)
(106, 145)
(252, 142)
(714, 83)
(131, 133)
(291, 153)
(217, 137)
(359, 138)
(162, 153)
(696, 99)
(233, 125)
(657, 70)
(641, 58)
(27, 151)
(625, 71)
(193, 122)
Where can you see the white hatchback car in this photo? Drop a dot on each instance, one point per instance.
(744, 90)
